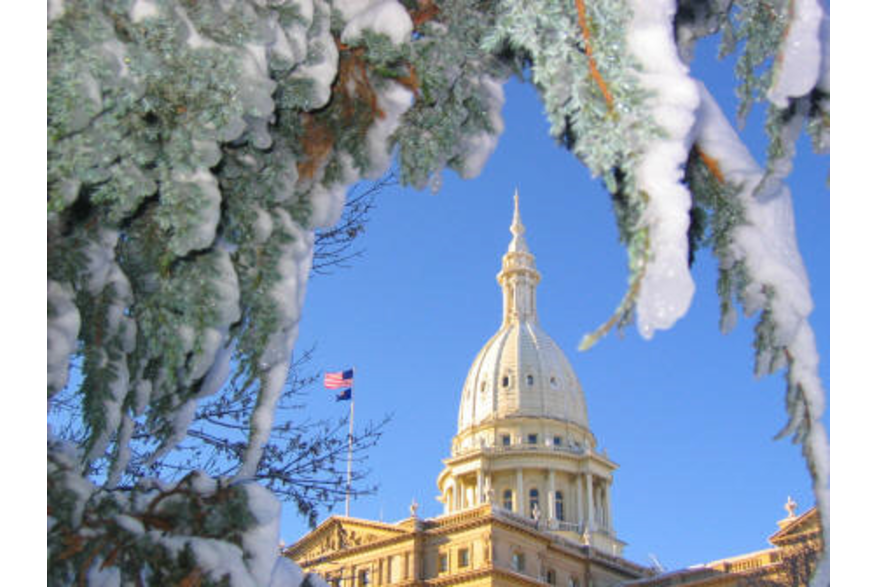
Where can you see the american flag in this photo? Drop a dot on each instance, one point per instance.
(338, 379)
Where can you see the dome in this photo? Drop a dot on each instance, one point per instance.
(520, 372)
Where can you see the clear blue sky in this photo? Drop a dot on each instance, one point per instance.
(700, 476)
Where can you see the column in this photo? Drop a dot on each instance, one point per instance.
(458, 494)
(609, 505)
(589, 478)
(551, 495)
(519, 502)
(580, 510)
(479, 488)
(406, 569)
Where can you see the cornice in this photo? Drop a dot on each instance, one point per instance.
(485, 571)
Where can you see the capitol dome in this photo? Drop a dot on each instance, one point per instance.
(523, 442)
(520, 372)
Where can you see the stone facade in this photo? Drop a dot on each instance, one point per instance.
(478, 546)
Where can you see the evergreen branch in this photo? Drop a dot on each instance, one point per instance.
(589, 51)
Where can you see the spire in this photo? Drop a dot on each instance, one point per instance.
(518, 277)
(517, 229)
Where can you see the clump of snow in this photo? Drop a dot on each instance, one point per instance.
(200, 231)
(286, 573)
(142, 9)
(478, 148)
(825, 64)
(667, 288)
(797, 65)
(386, 17)
(260, 541)
(393, 100)
(321, 66)
(61, 333)
(290, 42)
(56, 9)
(766, 242)
(193, 39)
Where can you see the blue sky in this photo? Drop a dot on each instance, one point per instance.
(700, 475)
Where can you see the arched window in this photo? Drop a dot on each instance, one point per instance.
(558, 505)
(534, 502)
(507, 500)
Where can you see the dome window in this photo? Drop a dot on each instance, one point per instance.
(529, 380)
(553, 381)
(532, 439)
(483, 386)
(505, 380)
(507, 500)
(534, 503)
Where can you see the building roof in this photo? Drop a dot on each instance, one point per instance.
(341, 536)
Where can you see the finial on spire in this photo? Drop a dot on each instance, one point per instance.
(517, 229)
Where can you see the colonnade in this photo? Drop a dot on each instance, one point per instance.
(593, 497)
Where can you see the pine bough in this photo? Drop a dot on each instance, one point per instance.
(194, 147)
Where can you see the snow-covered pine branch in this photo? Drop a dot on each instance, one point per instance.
(194, 147)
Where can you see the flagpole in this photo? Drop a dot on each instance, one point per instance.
(350, 446)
